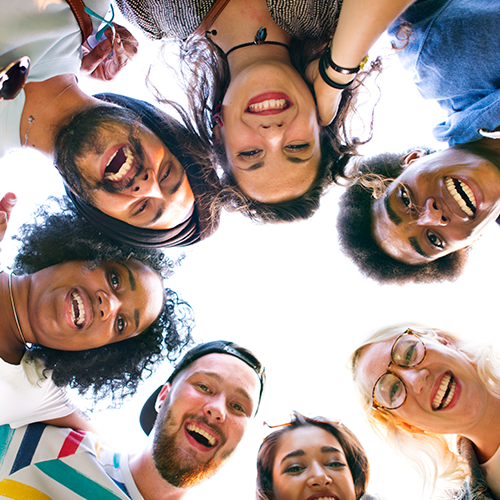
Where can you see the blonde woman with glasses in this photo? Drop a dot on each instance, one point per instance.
(418, 384)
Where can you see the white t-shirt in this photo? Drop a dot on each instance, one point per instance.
(42, 461)
(47, 32)
(491, 472)
(27, 395)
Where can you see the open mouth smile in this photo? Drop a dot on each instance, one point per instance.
(462, 194)
(77, 309)
(269, 106)
(119, 165)
(201, 436)
(445, 392)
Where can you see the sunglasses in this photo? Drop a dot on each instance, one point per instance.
(13, 78)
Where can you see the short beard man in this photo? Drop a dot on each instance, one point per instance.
(175, 466)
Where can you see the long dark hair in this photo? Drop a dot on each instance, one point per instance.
(353, 451)
(206, 76)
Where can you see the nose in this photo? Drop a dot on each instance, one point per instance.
(272, 131)
(415, 378)
(318, 477)
(215, 409)
(432, 215)
(146, 184)
(107, 305)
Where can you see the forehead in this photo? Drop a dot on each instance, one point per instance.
(228, 370)
(309, 439)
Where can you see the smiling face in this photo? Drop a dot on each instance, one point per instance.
(271, 132)
(123, 169)
(438, 205)
(203, 416)
(310, 464)
(444, 392)
(71, 307)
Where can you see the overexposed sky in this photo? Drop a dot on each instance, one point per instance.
(286, 292)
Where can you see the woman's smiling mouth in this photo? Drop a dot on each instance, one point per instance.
(462, 194)
(445, 392)
(270, 103)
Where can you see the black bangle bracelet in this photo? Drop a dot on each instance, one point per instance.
(323, 66)
(339, 69)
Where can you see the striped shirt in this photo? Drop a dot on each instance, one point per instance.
(180, 18)
(42, 462)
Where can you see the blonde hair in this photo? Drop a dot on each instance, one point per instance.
(433, 455)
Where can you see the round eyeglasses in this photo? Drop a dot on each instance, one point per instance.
(389, 391)
(13, 78)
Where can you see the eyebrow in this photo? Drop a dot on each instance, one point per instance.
(255, 166)
(390, 212)
(217, 377)
(416, 246)
(260, 164)
(131, 277)
(137, 319)
(296, 453)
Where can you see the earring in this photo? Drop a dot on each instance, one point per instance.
(217, 116)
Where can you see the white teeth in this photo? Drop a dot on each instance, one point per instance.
(205, 434)
(124, 169)
(269, 104)
(438, 403)
(77, 309)
(450, 185)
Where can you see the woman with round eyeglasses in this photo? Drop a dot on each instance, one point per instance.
(418, 384)
(80, 310)
(271, 85)
(312, 458)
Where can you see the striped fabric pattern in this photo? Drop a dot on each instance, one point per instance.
(40, 462)
(179, 18)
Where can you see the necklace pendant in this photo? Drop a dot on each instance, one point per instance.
(31, 119)
(260, 36)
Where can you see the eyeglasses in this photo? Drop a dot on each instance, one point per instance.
(389, 391)
(13, 78)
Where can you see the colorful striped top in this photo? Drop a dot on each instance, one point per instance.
(42, 462)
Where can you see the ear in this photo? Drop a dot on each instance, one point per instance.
(163, 394)
(413, 156)
(445, 341)
(217, 133)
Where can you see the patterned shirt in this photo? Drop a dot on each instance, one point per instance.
(180, 18)
(42, 462)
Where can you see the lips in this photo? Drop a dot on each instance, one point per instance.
(270, 103)
(323, 495)
(463, 195)
(78, 309)
(445, 393)
(119, 164)
(203, 438)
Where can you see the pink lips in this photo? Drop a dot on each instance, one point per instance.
(266, 97)
(323, 494)
(454, 400)
(195, 443)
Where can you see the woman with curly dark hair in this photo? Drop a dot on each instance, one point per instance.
(274, 110)
(312, 456)
(83, 311)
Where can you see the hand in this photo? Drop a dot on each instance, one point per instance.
(97, 63)
(327, 98)
(7, 204)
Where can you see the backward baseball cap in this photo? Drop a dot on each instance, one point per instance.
(149, 413)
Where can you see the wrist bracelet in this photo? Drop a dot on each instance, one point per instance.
(327, 54)
(323, 66)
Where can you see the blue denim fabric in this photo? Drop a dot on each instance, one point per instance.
(453, 54)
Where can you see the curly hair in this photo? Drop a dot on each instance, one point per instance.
(354, 226)
(113, 369)
(430, 453)
(206, 75)
(353, 451)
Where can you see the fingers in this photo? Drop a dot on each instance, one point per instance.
(92, 59)
(6, 206)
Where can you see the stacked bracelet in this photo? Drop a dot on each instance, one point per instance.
(326, 61)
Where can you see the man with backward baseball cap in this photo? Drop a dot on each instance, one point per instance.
(197, 419)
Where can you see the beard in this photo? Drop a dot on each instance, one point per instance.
(181, 468)
(81, 136)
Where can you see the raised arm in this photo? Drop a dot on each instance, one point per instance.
(360, 24)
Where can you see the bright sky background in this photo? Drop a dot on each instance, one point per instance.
(287, 293)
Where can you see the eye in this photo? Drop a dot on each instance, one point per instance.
(167, 173)
(120, 324)
(297, 147)
(141, 208)
(395, 391)
(204, 387)
(294, 469)
(336, 464)
(409, 355)
(114, 279)
(250, 154)
(405, 198)
(239, 408)
(434, 240)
